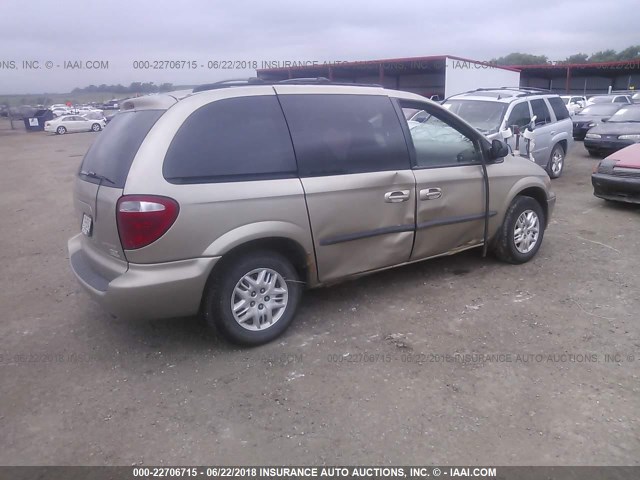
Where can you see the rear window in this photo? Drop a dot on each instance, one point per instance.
(236, 139)
(111, 154)
(558, 108)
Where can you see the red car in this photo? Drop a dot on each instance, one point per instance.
(617, 177)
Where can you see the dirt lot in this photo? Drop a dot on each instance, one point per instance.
(366, 373)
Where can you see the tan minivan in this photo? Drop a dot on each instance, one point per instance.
(232, 200)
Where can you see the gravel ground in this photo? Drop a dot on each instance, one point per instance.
(365, 375)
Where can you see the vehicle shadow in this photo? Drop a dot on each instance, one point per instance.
(191, 335)
(622, 206)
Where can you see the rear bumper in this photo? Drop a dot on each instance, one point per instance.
(620, 189)
(144, 291)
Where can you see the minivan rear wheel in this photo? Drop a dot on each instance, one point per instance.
(521, 233)
(254, 298)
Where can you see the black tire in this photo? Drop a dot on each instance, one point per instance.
(217, 305)
(96, 127)
(61, 130)
(558, 149)
(504, 244)
(593, 153)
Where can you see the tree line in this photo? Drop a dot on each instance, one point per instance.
(610, 55)
(135, 87)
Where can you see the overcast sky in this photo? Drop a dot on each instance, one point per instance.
(121, 32)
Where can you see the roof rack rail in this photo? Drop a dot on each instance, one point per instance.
(523, 91)
(322, 81)
(235, 82)
(516, 89)
(305, 80)
(243, 82)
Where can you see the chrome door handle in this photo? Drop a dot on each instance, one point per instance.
(430, 193)
(397, 196)
(553, 133)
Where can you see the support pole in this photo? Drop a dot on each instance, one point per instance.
(10, 116)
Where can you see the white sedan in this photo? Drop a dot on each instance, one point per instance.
(74, 123)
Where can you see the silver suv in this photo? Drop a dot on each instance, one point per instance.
(230, 201)
(535, 124)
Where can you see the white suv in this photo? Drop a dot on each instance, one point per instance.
(574, 103)
(535, 123)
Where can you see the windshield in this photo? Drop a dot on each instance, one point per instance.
(602, 109)
(486, 116)
(626, 115)
(566, 100)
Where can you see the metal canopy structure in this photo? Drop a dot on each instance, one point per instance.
(423, 75)
(427, 75)
(582, 78)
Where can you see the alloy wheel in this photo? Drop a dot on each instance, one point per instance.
(259, 299)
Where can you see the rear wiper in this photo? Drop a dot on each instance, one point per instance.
(96, 176)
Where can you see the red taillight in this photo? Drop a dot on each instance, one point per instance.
(143, 219)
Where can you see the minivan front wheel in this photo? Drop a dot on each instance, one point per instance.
(521, 233)
(254, 298)
(556, 162)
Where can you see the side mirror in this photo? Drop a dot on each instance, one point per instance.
(532, 123)
(507, 133)
(498, 149)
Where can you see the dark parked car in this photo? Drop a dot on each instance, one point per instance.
(622, 129)
(617, 177)
(109, 116)
(110, 105)
(591, 116)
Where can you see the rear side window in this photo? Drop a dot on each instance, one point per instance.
(343, 134)
(541, 111)
(113, 151)
(235, 139)
(559, 108)
(519, 116)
